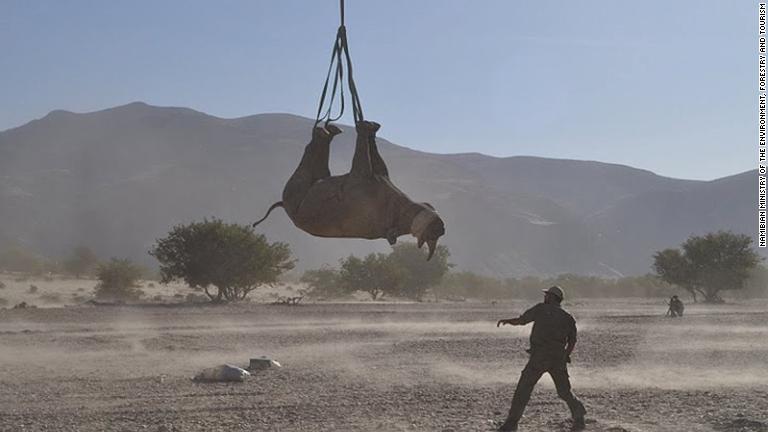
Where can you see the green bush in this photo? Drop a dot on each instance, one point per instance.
(418, 274)
(82, 261)
(375, 274)
(19, 259)
(118, 280)
(323, 283)
(229, 258)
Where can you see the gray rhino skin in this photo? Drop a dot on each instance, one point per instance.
(360, 204)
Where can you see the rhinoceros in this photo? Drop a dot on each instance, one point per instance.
(362, 203)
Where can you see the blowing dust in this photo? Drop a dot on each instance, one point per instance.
(697, 352)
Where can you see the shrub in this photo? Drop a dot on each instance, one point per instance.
(19, 259)
(117, 280)
(375, 274)
(228, 257)
(323, 283)
(82, 261)
(419, 275)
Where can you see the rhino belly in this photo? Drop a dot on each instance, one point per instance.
(336, 209)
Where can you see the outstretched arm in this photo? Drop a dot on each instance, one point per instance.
(511, 321)
(525, 318)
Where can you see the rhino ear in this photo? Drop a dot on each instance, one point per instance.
(431, 207)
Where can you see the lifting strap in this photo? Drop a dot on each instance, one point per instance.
(339, 59)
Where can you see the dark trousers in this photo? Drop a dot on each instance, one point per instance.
(533, 371)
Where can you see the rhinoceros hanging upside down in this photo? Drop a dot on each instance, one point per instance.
(360, 204)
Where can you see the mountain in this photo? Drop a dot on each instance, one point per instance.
(118, 179)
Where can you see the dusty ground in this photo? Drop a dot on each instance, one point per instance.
(380, 367)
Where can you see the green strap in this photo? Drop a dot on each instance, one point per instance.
(357, 108)
(334, 61)
(336, 68)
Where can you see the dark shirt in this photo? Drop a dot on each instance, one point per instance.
(552, 328)
(676, 305)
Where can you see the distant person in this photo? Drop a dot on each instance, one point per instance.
(676, 307)
(553, 338)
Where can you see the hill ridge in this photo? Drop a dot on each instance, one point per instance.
(80, 178)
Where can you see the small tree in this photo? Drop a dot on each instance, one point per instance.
(419, 275)
(375, 274)
(709, 264)
(117, 280)
(18, 259)
(674, 268)
(228, 257)
(323, 282)
(82, 261)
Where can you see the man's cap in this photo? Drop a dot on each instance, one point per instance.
(555, 291)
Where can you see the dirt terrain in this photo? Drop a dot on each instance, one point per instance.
(376, 366)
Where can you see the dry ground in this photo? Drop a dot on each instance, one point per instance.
(380, 367)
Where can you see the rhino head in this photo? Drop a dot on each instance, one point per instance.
(427, 227)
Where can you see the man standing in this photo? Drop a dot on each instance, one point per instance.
(553, 338)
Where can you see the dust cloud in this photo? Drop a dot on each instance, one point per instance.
(697, 352)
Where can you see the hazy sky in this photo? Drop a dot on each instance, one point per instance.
(668, 86)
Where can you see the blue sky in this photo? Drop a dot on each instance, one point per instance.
(659, 85)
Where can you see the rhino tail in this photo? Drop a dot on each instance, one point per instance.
(274, 206)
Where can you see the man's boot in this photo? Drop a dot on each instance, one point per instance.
(578, 424)
(508, 426)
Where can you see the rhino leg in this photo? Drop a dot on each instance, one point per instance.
(362, 165)
(317, 153)
(313, 167)
(377, 163)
